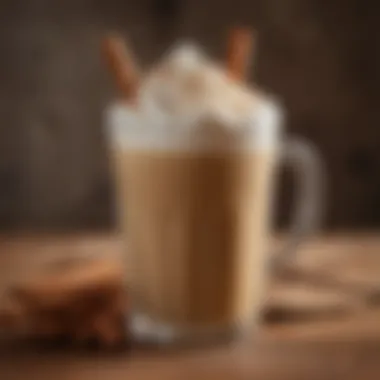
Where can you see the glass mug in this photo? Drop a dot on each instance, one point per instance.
(195, 211)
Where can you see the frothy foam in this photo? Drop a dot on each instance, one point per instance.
(186, 95)
(189, 88)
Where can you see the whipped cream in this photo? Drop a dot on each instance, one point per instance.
(188, 98)
(190, 89)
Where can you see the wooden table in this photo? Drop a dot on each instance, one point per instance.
(338, 347)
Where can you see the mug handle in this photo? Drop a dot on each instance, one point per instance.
(306, 164)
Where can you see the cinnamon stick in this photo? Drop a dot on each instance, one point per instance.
(122, 65)
(59, 289)
(239, 53)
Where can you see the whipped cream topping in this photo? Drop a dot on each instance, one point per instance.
(188, 97)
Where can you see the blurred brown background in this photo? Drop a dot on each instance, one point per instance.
(320, 57)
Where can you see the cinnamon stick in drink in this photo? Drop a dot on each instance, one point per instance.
(122, 65)
(239, 53)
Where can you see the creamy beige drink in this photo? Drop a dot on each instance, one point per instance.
(194, 167)
(197, 227)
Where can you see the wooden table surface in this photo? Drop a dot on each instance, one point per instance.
(338, 347)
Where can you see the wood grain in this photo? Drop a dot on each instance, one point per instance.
(341, 347)
(317, 284)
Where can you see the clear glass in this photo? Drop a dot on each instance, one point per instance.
(195, 213)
